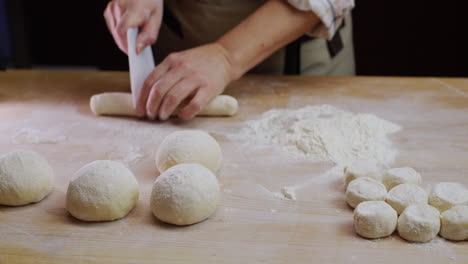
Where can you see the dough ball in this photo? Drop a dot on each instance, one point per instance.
(405, 194)
(365, 189)
(102, 190)
(185, 194)
(361, 169)
(188, 146)
(374, 219)
(397, 176)
(445, 195)
(455, 223)
(25, 177)
(419, 223)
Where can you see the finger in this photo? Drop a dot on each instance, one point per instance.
(150, 81)
(122, 41)
(148, 33)
(131, 18)
(159, 90)
(113, 16)
(175, 97)
(108, 16)
(111, 22)
(200, 100)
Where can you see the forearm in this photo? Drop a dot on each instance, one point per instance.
(269, 28)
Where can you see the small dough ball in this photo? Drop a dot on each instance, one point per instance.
(365, 189)
(397, 176)
(102, 190)
(419, 223)
(445, 195)
(374, 219)
(188, 146)
(455, 223)
(25, 177)
(405, 194)
(185, 194)
(361, 169)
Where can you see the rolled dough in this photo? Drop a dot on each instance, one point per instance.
(365, 189)
(397, 176)
(419, 223)
(454, 223)
(445, 195)
(118, 103)
(359, 169)
(374, 219)
(404, 195)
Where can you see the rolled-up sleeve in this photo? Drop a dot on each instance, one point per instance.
(330, 12)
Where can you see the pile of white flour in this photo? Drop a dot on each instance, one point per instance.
(326, 133)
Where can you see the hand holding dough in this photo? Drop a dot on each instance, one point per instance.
(118, 103)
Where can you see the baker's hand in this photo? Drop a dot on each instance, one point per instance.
(194, 76)
(120, 15)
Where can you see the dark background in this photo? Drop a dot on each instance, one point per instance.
(396, 38)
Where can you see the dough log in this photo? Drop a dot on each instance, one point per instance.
(120, 104)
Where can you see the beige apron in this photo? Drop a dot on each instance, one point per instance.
(205, 21)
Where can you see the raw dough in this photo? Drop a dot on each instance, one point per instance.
(25, 177)
(396, 176)
(365, 189)
(454, 223)
(445, 195)
(361, 169)
(374, 219)
(102, 190)
(185, 194)
(404, 195)
(121, 104)
(188, 146)
(419, 223)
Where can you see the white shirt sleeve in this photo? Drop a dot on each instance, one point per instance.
(330, 12)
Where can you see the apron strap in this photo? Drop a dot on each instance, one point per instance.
(292, 60)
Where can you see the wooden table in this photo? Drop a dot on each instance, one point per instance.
(48, 112)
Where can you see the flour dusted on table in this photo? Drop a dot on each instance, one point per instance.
(326, 133)
(128, 154)
(35, 136)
